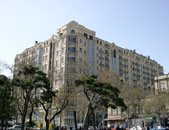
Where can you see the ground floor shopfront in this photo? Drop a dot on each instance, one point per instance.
(152, 122)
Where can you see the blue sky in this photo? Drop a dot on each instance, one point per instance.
(134, 24)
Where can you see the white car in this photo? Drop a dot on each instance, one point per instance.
(15, 127)
(36, 128)
(134, 128)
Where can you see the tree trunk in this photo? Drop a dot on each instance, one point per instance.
(94, 119)
(47, 124)
(85, 123)
(6, 123)
(75, 121)
(23, 122)
(30, 118)
(47, 120)
(60, 122)
(26, 104)
(2, 124)
(16, 117)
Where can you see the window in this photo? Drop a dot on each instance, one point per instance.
(80, 60)
(137, 109)
(57, 53)
(45, 67)
(61, 69)
(46, 49)
(118, 110)
(56, 63)
(143, 109)
(80, 50)
(73, 31)
(80, 40)
(62, 60)
(84, 52)
(106, 65)
(57, 44)
(106, 52)
(71, 59)
(114, 111)
(84, 43)
(86, 35)
(114, 53)
(91, 37)
(72, 39)
(72, 49)
(97, 55)
(46, 57)
(161, 86)
(56, 82)
(62, 50)
(106, 58)
(63, 40)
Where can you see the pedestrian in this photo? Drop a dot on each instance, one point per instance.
(147, 127)
(113, 128)
(118, 128)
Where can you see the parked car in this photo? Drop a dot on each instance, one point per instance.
(36, 128)
(158, 128)
(15, 127)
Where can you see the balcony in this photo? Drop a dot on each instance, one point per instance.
(101, 64)
(138, 75)
(101, 51)
(120, 70)
(72, 43)
(120, 57)
(126, 65)
(107, 65)
(126, 59)
(120, 63)
(126, 71)
(101, 58)
(106, 52)
(106, 58)
(72, 50)
(137, 64)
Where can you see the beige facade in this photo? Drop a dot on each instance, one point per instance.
(75, 51)
(161, 83)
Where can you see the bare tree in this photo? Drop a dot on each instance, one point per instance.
(133, 97)
(98, 94)
(5, 67)
(156, 104)
(55, 101)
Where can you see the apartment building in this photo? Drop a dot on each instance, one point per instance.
(75, 51)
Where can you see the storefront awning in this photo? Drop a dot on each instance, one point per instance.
(115, 119)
